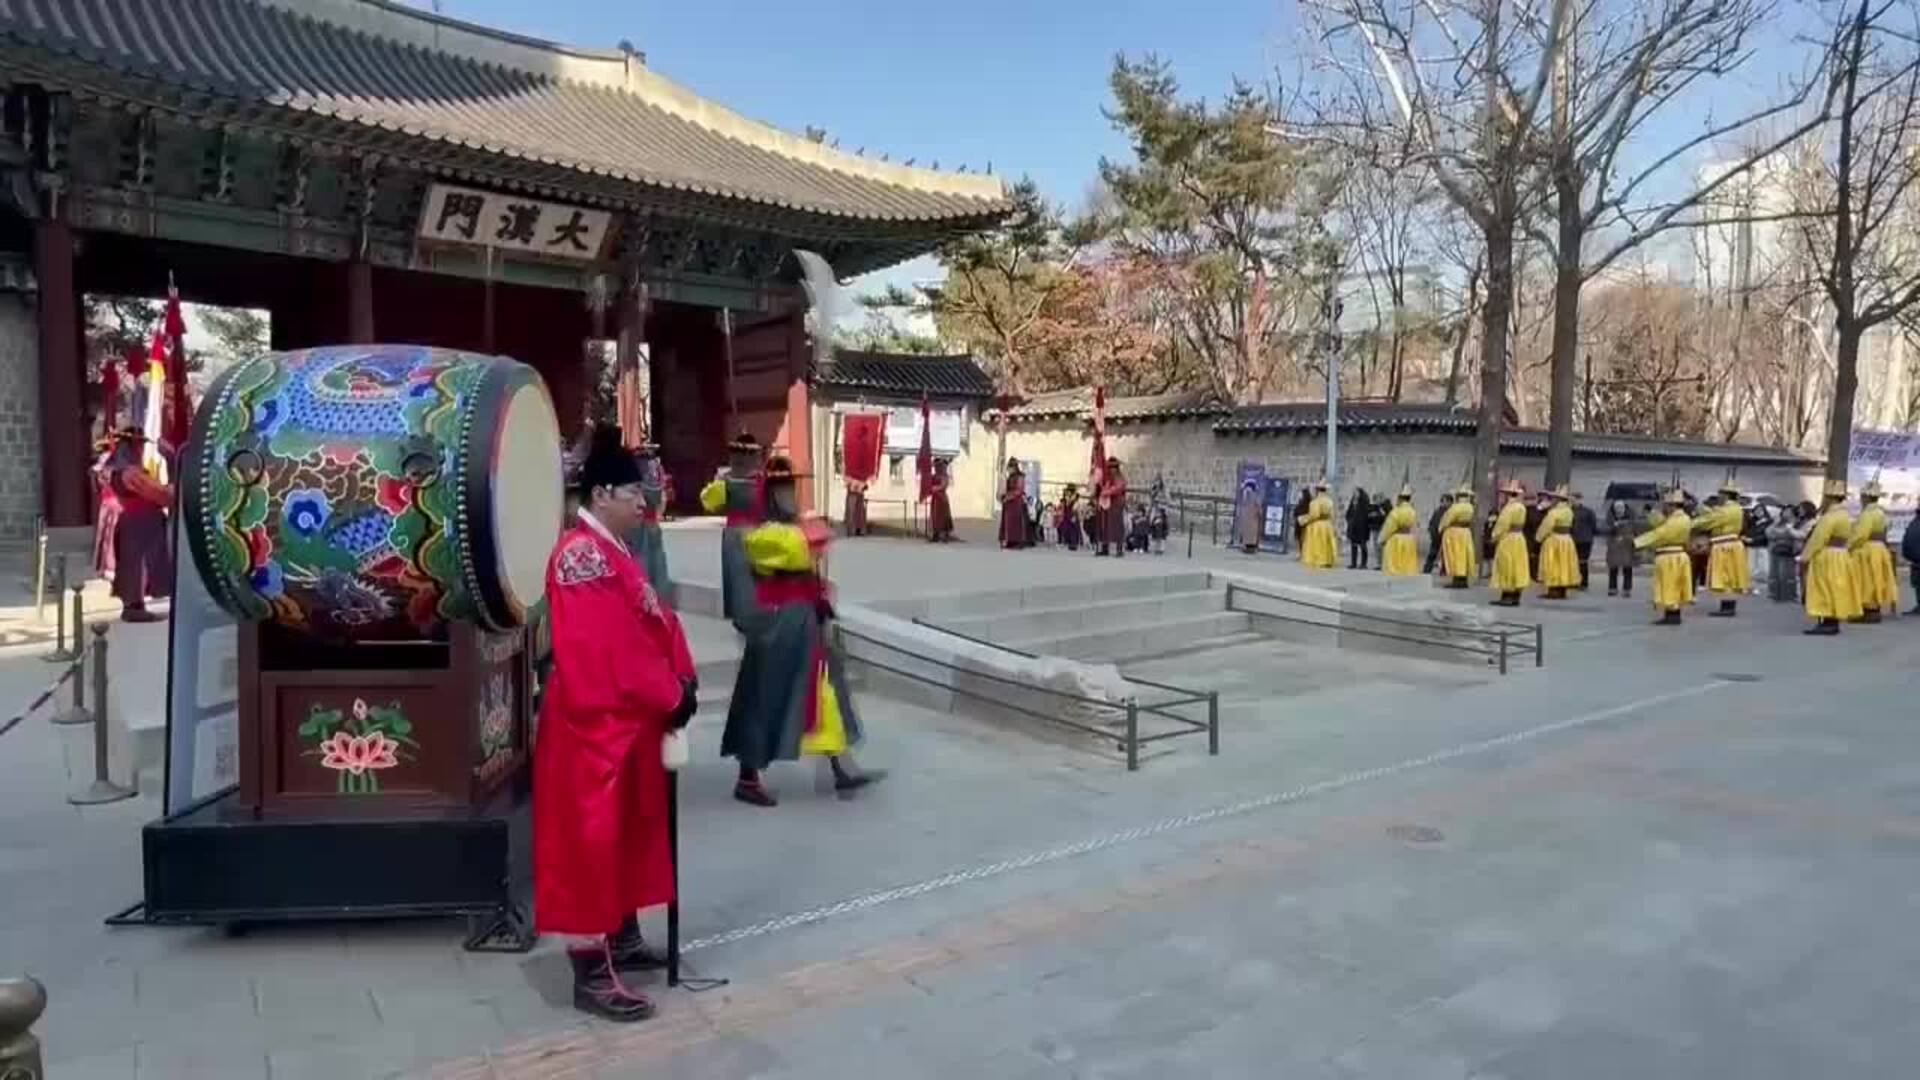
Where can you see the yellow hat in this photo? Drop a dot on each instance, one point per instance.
(1677, 497)
(1730, 486)
(1406, 491)
(1513, 487)
(1465, 491)
(1562, 493)
(1873, 490)
(1834, 489)
(1321, 484)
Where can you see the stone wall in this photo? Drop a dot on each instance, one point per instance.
(970, 490)
(19, 417)
(1194, 460)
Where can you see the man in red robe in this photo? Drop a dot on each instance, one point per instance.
(142, 562)
(939, 507)
(1110, 499)
(622, 678)
(1013, 508)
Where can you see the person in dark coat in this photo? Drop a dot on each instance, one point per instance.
(790, 697)
(1249, 515)
(1359, 519)
(1622, 527)
(645, 541)
(143, 566)
(1066, 518)
(736, 491)
(1536, 511)
(1586, 525)
(1300, 515)
(1433, 532)
(1910, 551)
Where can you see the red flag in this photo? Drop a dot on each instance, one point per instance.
(860, 446)
(923, 461)
(1098, 472)
(176, 331)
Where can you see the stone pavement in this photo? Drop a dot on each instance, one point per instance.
(1642, 868)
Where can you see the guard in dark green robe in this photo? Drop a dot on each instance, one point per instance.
(738, 494)
(649, 547)
(791, 696)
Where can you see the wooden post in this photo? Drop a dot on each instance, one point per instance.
(360, 302)
(63, 429)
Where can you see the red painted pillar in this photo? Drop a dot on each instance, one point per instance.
(63, 427)
(796, 430)
(360, 302)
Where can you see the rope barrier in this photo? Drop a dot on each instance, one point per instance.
(70, 671)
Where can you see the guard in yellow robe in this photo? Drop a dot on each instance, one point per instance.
(1317, 548)
(1399, 551)
(1672, 566)
(1511, 575)
(1727, 572)
(1872, 560)
(1830, 592)
(1559, 559)
(1459, 553)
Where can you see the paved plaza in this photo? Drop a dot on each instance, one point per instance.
(1689, 853)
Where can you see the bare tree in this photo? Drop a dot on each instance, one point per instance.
(1459, 83)
(1624, 62)
(1385, 203)
(1860, 225)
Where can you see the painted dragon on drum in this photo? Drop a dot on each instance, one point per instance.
(361, 492)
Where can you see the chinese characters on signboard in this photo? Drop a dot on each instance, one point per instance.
(513, 223)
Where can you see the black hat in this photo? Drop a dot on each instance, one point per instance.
(608, 464)
(744, 443)
(779, 467)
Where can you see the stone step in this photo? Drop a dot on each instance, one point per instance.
(1137, 611)
(944, 608)
(1115, 645)
(1212, 645)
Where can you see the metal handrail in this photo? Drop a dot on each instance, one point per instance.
(1502, 641)
(1129, 709)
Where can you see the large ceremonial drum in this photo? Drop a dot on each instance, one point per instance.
(374, 492)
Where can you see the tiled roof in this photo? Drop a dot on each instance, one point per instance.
(906, 374)
(375, 64)
(1534, 441)
(1360, 416)
(1180, 403)
(1050, 404)
(1054, 404)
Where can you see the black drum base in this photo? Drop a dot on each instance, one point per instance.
(215, 866)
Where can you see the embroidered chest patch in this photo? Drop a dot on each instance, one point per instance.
(581, 561)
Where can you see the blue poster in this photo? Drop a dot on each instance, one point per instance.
(1279, 526)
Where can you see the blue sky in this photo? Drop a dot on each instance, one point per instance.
(1018, 83)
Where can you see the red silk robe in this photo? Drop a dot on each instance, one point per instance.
(600, 846)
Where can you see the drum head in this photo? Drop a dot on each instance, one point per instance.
(527, 500)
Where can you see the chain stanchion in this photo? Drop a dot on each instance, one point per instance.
(40, 572)
(103, 789)
(61, 654)
(78, 713)
(21, 1003)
